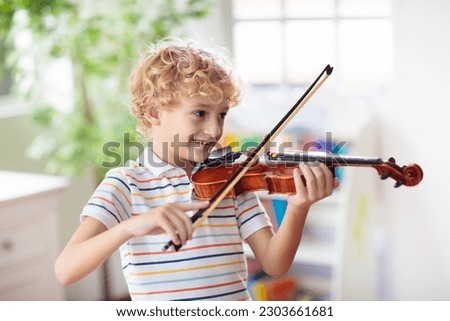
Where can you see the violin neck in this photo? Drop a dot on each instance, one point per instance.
(327, 158)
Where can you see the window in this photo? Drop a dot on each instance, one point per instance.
(280, 46)
(289, 41)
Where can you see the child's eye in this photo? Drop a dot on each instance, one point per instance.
(223, 115)
(200, 113)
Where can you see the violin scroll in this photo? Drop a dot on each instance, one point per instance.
(409, 175)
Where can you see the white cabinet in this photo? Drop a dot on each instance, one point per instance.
(29, 236)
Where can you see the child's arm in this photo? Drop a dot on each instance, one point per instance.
(276, 252)
(92, 243)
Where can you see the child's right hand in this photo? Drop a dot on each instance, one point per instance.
(169, 218)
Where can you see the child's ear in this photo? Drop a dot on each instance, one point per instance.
(153, 116)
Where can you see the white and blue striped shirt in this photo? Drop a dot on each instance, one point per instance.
(211, 266)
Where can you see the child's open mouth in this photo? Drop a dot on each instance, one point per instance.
(204, 144)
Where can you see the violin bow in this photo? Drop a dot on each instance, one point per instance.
(198, 218)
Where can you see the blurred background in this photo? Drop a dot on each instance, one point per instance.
(64, 69)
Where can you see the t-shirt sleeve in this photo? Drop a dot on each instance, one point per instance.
(251, 215)
(111, 201)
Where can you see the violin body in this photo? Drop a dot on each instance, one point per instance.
(260, 177)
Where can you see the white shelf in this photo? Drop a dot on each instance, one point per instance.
(16, 185)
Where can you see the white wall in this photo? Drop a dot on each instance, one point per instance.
(415, 130)
(215, 30)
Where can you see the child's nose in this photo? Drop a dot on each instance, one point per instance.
(214, 128)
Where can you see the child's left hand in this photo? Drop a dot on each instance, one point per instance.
(319, 183)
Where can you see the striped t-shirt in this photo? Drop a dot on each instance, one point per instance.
(211, 266)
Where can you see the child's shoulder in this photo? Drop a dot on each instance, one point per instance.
(132, 168)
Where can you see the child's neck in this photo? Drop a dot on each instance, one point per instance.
(169, 158)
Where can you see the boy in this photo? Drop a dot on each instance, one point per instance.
(181, 95)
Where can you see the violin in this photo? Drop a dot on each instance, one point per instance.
(273, 171)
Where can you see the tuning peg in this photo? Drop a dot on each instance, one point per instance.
(398, 184)
(391, 160)
(385, 175)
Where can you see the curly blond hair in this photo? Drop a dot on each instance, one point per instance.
(173, 69)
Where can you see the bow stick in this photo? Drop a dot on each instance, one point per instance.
(198, 218)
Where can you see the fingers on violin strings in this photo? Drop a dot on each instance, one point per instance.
(318, 171)
(298, 182)
(310, 179)
(328, 179)
(319, 180)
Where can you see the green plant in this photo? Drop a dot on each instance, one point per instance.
(101, 41)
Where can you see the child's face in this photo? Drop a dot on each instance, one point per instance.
(187, 131)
